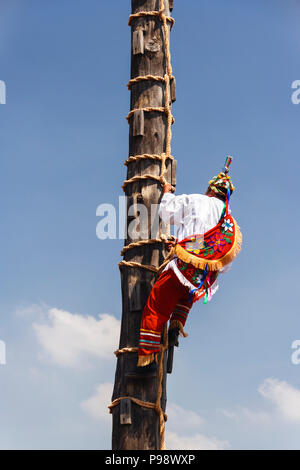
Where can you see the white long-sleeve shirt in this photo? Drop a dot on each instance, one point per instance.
(192, 214)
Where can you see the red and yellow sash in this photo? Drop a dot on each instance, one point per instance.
(213, 250)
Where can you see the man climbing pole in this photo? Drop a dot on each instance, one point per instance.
(208, 239)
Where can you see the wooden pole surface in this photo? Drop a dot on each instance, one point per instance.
(136, 427)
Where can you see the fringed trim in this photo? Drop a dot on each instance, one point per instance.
(213, 265)
(178, 324)
(145, 360)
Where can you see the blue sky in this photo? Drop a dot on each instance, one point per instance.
(64, 139)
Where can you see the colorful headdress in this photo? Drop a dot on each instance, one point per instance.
(222, 184)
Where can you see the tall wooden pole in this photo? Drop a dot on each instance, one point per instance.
(134, 426)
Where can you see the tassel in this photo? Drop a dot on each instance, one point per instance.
(209, 295)
(145, 360)
(227, 203)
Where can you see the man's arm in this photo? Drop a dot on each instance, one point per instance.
(171, 209)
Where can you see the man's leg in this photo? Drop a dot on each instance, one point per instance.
(180, 314)
(165, 295)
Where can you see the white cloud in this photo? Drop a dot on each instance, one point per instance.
(243, 414)
(194, 442)
(229, 414)
(255, 417)
(284, 396)
(96, 405)
(32, 310)
(71, 339)
(285, 400)
(187, 420)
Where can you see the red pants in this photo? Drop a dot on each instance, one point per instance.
(169, 299)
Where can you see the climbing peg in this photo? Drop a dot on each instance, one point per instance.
(138, 42)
